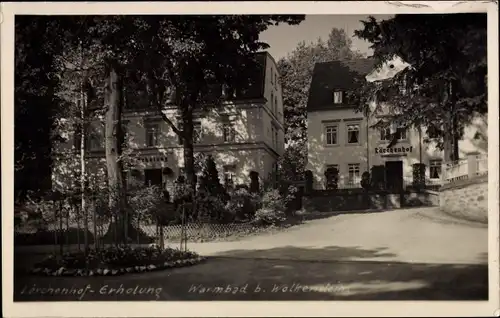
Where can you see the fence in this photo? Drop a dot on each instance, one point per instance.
(475, 165)
(408, 183)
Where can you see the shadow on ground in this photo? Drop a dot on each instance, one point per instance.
(250, 277)
(336, 253)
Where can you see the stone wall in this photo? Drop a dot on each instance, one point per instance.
(357, 199)
(466, 199)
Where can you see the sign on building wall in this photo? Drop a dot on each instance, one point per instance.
(395, 150)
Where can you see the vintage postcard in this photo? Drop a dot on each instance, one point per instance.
(250, 158)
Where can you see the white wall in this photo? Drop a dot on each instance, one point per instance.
(320, 155)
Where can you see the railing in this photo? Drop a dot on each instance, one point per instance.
(474, 165)
(457, 170)
(430, 184)
(348, 183)
(482, 165)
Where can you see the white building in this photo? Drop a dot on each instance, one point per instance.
(340, 137)
(245, 134)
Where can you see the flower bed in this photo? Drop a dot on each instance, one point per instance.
(115, 261)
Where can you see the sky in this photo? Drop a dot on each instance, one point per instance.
(284, 38)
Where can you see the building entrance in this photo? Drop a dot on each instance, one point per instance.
(394, 175)
(153, 177)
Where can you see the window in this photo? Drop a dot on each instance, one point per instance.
(337, 97)
(353, 133)
(95, 139)
(197, 133)
(272, 103)
(229, 172)
(275, 79)
(276, 105)
(228, 132)
(401, 133)
(331, 135)
(95, 142)
(272, 76)
(152, 133)
(276, 138)
(435, 167)
(386, 134)
(353, 169)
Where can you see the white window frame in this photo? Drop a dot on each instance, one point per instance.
(338, 97)
(355, 169)
(273, 108)
(153, 128)
(334, 128)
(348, 125)
(385, 133)
(433, 164)
(402, 130)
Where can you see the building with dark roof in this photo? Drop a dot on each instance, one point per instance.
(341, 138)
(245, 134)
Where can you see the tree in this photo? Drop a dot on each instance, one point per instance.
(186, 60)
(446, 83)
(173, 59)
(35, 102)
(296, 74)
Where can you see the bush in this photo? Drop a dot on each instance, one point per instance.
(115, 261)
(254, 182)
(211, 196)
(242, 205)
(419, 175)
(146, 204)
(332, 178)
(267, 216)
(308, 181)
(365, 180)
(273, 200)
(209, 206)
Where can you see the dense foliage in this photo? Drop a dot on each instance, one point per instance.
(445, 84)
(83, 67)
(115, 260)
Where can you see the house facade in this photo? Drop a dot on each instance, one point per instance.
(245, 134)
(342, 138)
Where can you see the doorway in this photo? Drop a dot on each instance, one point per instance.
(394, 175)
(153, 177)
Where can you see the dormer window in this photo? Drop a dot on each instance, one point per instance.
(337, 97)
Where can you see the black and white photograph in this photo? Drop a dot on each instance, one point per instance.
(261, 156)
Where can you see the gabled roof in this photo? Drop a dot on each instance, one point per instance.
(335, 75)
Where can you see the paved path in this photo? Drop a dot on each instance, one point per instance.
(422, 235)
(414, 254)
